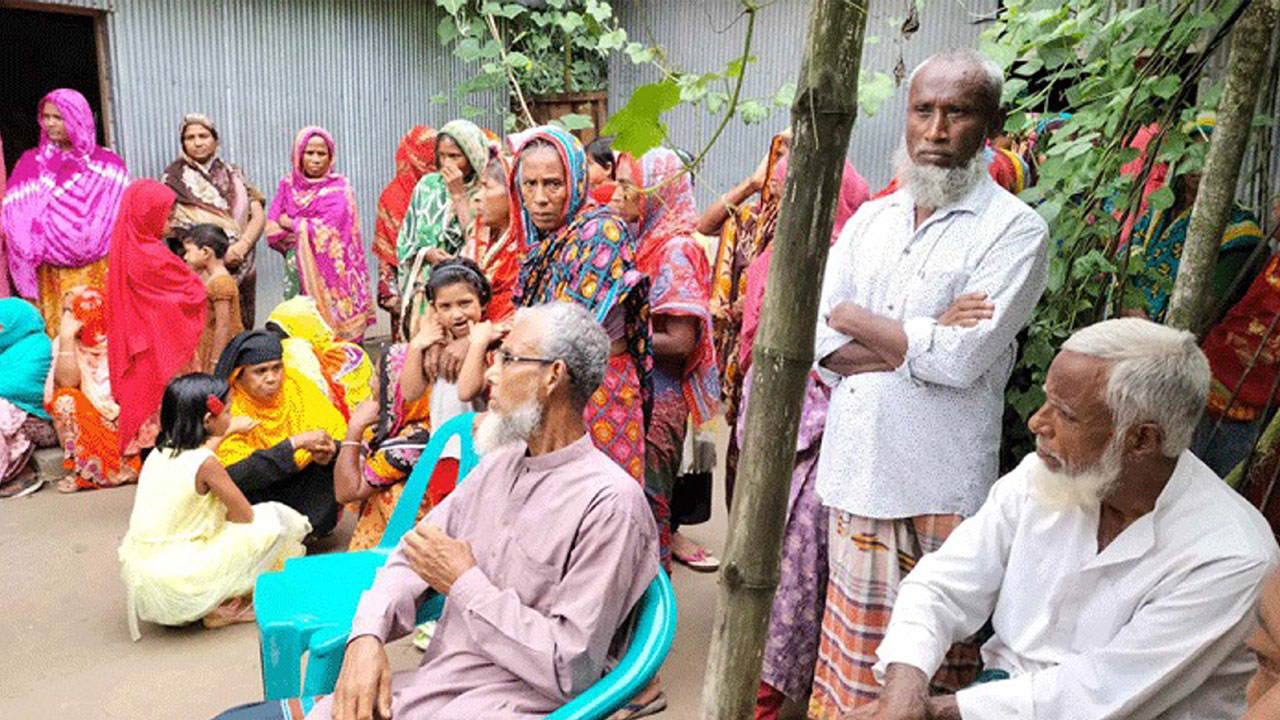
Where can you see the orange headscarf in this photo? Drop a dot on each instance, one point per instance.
(415, 157)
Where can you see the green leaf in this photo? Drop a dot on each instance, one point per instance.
(471, 111)
(639, 54)
(636, 127)
(1166, 87)
(1161, 199)
(557, 4)
(571, 22)
(752, 112)
(439, 98)
(519, 60)
(576, 121)
(447, 30)
(873, 89)
(785, 95)
(601, 11)
(612, 40)
(510, 11)
(716, 101)
(734, 69)
(468, 49)
(451, 6)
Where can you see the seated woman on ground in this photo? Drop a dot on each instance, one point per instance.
(24, 425)
(341, 369)
(195, 545)
(78, 396)
(288, 455)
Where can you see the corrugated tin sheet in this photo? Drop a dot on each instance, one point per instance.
(704, 36)
(365, 71)
(87, 4)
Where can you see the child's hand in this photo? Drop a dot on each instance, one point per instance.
(435, 256)
(482, 333)
(430, 331)
(241, 424)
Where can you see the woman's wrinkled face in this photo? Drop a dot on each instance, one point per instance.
(495, 208)
(544, 187)
(198, 143)
(628, 202)
(448, 153)
(54, 126)
(316, 157)
(263, 380)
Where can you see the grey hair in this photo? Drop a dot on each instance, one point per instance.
(992, 84)
(1158, 374)
(572, 335)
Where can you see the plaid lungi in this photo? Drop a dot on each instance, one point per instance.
(868, 559)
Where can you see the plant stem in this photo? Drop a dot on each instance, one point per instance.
(511, 75)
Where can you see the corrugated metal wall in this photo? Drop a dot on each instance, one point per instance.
(363, 70)
(703, 36)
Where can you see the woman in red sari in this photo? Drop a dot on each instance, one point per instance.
(415, 157)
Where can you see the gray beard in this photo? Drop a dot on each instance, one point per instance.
(498, 430)
(937, 187)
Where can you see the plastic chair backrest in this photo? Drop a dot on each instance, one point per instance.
(406, 512)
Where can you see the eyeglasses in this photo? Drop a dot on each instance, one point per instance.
(503, 356)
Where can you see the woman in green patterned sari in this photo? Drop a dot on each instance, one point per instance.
(439, 219)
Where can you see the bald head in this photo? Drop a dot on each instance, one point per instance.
(971, 70)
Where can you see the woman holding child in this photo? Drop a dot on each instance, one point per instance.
(213, 191)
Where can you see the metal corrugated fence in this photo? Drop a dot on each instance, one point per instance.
(363, 70)
(703, 36)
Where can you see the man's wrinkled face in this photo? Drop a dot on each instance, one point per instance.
(948, 118)
(517, 389)
(263, 380)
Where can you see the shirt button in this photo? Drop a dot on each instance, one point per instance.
(890, 307)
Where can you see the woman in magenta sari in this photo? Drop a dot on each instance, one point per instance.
(312, 222)
(586, 256)
(686, 383)
(60, 205)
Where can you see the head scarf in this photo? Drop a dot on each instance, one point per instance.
(415, 157)
(25, 354)
(393, 412)
(215, 191)
(89, 309)
(431, 221)
(677, 266)
(345, 367)
(155, 306)
(330, 255)
(298, 407)
(61, 204)
(853, 192)
(498, 256)
(574, 160)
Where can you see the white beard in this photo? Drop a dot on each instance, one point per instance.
(498, 430)
(936, 187)
(1078, 489)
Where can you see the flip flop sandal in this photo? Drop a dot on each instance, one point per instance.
(700, 561)
(653, 707)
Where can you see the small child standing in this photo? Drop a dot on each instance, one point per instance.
(195, 545)
(204, 249)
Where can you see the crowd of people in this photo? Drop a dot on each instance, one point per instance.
(596, 322)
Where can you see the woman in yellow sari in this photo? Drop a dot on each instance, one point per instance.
(341, 369)
(288, 455)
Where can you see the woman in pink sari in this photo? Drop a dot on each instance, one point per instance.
(60, 205)
(312, 222)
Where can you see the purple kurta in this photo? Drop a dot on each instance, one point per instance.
(565, 545)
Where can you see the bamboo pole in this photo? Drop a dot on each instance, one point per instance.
(822, 115)
(1250, 41)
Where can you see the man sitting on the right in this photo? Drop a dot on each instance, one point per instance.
(1119, 573)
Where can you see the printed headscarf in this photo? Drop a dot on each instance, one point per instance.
(415, 157)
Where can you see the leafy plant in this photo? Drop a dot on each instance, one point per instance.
(1119, 70)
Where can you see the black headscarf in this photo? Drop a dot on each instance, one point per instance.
(250, 347)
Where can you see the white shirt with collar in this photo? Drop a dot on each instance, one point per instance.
(924, 439)
(1153, 626)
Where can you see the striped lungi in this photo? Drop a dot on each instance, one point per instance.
(868, 559)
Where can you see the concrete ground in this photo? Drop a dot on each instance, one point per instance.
(65, 650)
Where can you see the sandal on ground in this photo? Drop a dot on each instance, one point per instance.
(25, 484)
(701, 560)
(639, 710)
(68, 485)
(230, 612)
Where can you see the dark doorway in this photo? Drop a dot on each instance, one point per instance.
(43, 51)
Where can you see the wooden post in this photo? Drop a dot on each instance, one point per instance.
(1250, 41)
(822, 116)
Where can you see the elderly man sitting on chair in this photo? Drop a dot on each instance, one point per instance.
(541, 552)
(1119, 572)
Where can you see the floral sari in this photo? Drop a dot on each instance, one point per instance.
(324, 256)
(590, 260)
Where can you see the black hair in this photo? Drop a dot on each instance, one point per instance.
(459, 270)
(182, 410)
(208, 235)
(600, 151)
(441, 137)
(382, 430)
(687, 160)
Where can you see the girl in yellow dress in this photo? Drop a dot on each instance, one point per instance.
(195, 545)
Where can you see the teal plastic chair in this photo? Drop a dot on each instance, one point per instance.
(307, 607)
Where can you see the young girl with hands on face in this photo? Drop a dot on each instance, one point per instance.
(195, 545)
